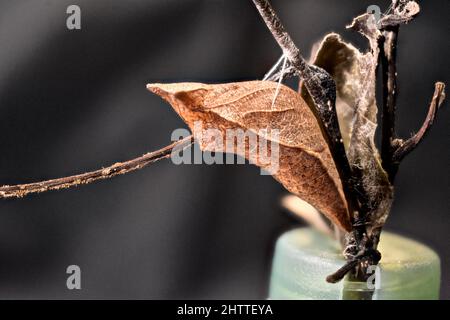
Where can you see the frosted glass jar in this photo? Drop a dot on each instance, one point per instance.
(303, 258)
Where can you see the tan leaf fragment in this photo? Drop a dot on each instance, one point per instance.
(355, 75)
(308, 213)
(306, 167)
(348, 67)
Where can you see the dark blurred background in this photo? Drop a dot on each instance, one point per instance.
(72, 101)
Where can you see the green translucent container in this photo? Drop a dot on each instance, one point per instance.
(304, 258)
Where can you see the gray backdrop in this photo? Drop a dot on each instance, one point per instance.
(72, 101)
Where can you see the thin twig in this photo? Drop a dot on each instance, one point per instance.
(405, 147)
(389, 70)
(402, 12)
(342, 271)
(19, 191)
(283, 39)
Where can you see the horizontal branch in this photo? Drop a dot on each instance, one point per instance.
(19, 191)
(405, 147)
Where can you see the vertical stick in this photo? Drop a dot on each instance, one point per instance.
(389, 70)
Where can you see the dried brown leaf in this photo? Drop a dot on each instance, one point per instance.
(354, 74)
(347, 65)
(306, 167)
